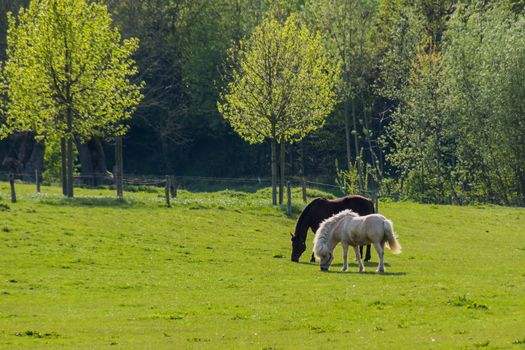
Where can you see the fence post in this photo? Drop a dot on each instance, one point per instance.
(167, 191)
(303, 183)
(289, 202)
(12, 184)
(375, 200)
(37, 180)
(173, 187)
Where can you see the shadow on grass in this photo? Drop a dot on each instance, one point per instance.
(92, 202)
(368, 272)
(352, 269)
(366, 264)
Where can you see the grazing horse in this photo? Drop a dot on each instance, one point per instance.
(320, 209)
(351, 229)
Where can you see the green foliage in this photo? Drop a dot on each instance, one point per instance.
(439, 83)
(347, 180)
(345, 28)
(400, 32)
(67, 72)
(457, 133)
(282, 85)
(484, 56)
(358, 178)
(389, 189)
(52, 160)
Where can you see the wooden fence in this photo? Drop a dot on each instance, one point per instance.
(171, 183)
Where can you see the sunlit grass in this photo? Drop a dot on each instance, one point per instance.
(213, 271)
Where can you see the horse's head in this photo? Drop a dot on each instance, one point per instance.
(298, 247)
(326, 261)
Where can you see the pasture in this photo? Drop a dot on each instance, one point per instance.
(214, 272)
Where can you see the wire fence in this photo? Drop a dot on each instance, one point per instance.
(172, 183)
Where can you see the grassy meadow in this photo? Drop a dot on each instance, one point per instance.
(213, 272)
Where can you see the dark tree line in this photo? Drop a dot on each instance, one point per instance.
(428, 89)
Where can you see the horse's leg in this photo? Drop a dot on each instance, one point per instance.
(314, 228)
(368, 256)
(380, 248)
(345, 256)
(358, 257)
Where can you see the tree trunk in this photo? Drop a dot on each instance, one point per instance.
(522, 185)
(63, 171)
(274, 172)
(373, 157)
(347, 135)
(282, 164)
(356, 145)
(69, 154)
(301, 164)
(69, 151)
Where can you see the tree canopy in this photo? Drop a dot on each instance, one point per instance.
(64, 57)
(428, 105)
(67, 73)
(283, 84)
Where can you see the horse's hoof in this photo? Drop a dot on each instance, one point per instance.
(344, 269)
(380, 270)
(362, 271)
(312, 260)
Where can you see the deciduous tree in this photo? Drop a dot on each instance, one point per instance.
(282, 86)
(68, 74)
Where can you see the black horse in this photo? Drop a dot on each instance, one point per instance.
(319, 210)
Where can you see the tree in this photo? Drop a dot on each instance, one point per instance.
(345, 27)
(422, 132)
(156, 23)
(68, 75)
(484, 65)
(457, 132)
(282, 86)
(183, 44)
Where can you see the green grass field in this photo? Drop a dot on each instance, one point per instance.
(213, 272)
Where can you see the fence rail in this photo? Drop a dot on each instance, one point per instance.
(170, 183)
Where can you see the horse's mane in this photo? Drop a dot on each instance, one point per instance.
(301, 228)
(322, 234)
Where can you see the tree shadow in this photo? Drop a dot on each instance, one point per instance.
(92, 202)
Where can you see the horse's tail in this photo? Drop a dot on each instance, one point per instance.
(393, 244)
(301, 228)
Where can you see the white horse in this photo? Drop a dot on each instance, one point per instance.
(349, 228)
